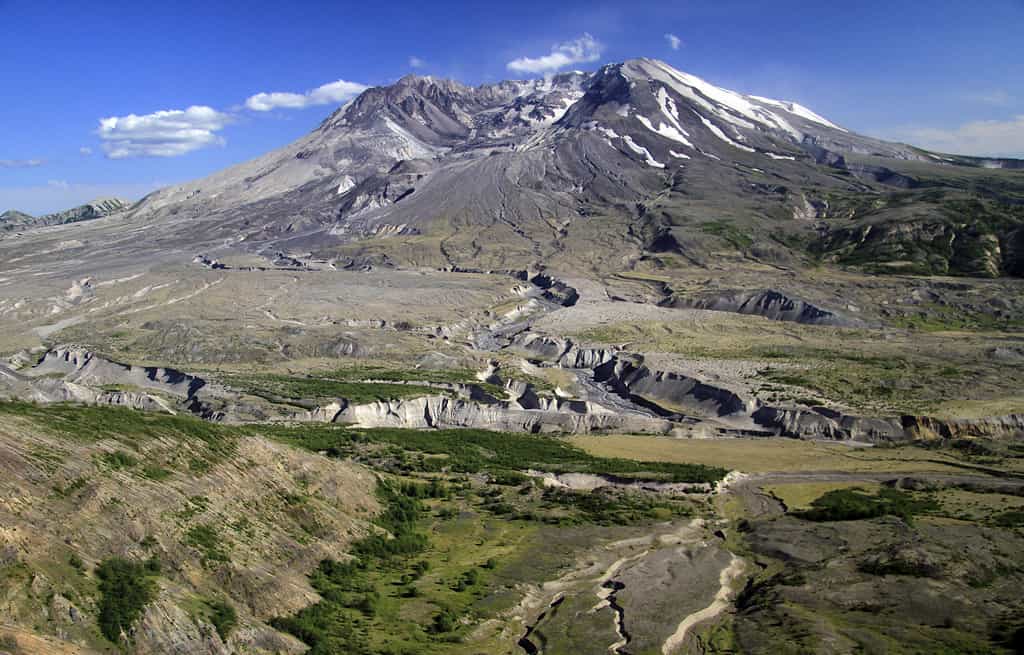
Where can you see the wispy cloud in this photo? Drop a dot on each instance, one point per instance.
(674, 41)
(332, 93)
(416, 62)
(21, 163)
(994, 97)
(85, 151)
(980, 138)
(585, 49)
(168, 133)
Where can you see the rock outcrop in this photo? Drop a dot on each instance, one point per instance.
(997, 427)
(770, 303)
(546, 415)
(824, 423)
(16, 221)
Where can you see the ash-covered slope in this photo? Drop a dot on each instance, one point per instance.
(508, 174)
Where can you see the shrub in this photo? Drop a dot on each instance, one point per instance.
(206, 539)
(223, 617)
(125, 589)
(1012, 518)
(444, 621)
(118, 460)
(855, 504)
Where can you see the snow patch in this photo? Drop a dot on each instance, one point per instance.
(666, 131)
(774, 156)
(345, 183)
(643, 152)
(678, 155)
(721, 135)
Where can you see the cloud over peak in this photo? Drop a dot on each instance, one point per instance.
(585, 49)
(331, 93)
(168, 133)
(674, 41)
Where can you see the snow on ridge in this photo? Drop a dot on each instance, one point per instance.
(775, 156)
(728, 105)
(668, 105)
(643, 152)
(724, 97)
(721, 135)
(799, 110)
(678, 155)
(666, 131)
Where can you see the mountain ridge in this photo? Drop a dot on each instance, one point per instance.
(13, 220)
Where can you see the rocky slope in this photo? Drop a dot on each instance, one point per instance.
(137, 488)
(13, 221)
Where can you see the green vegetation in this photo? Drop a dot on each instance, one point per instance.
(223, 617)
(855, 504)
(607, 506)
(207, 541)
(1013, 518)
(729, 233)
(386, 374)
(277, 388)
(125, 588)
(475, 451)
(118, 460)
(126, 426)
(333, 625)
(934, 317)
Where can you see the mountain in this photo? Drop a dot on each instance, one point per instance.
(256, 413)
(507, 174)
(16, 221)
(13, 217)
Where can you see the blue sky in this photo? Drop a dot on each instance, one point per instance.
(946, 75)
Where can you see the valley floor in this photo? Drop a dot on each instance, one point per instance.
(802, 547)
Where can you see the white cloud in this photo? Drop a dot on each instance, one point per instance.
(168, 133)
(673, 41)
(585, 49)
(332, 93)
(416, 62)
(980, 138)
(85, 151)
(995, 97)
(21, 163)
(58, 184)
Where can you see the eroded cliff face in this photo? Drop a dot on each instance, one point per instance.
(545, 415)
(926, 427)
(615, 391)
